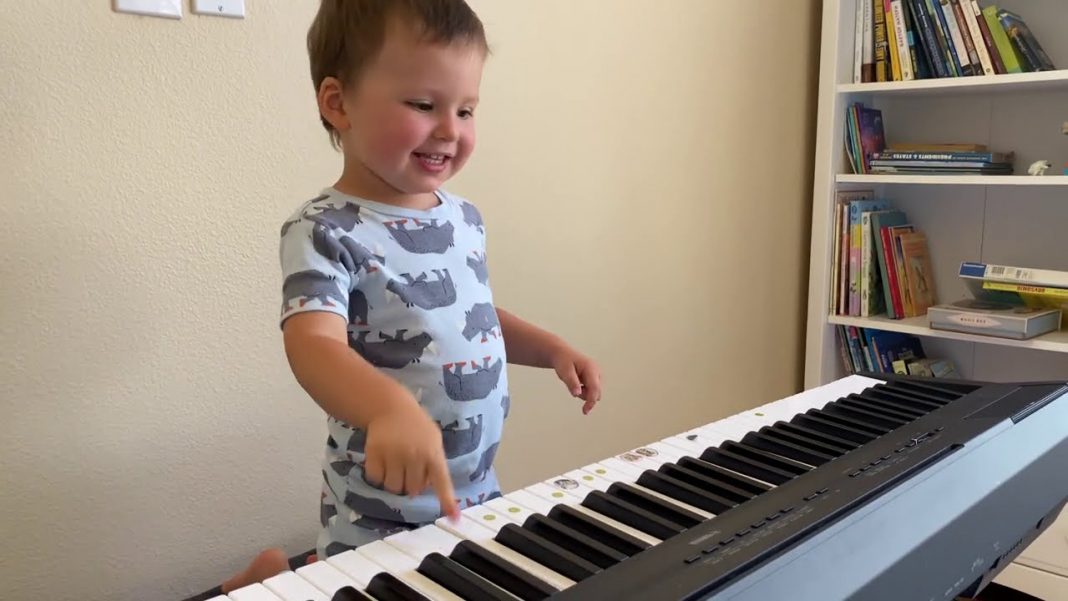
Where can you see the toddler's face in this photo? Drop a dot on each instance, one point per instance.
(412, 112)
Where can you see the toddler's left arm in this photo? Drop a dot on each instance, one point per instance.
(527, 344)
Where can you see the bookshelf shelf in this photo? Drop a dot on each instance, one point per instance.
(955, 180)
(1042, 81)
(917, 326)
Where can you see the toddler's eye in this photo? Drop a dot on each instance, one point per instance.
(466, 113)
(421, 106)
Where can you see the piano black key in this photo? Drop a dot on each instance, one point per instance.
(875, 405)
(597, 530)
(743, 485)
(719, 490)
(803, 440)
(501, 572)
(581, 545)
(767, 441)
(856, 419)
(546, 553)
(348, 593)
(745, 465)
(865, 413)
(665, 483)
(387, 587)
(458, 579)
(904, 399)
(769, 459)
(919, 390)
(653, 504)
(826, 438)
(630, 515)
(824, 423)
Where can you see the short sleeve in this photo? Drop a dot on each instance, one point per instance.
(318, 268)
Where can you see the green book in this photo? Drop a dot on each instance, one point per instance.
(1001, 40)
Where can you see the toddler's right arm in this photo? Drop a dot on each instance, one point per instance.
(404, 447)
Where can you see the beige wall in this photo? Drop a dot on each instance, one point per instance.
(644, 172)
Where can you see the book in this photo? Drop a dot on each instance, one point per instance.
(976, 316)
(921, 282)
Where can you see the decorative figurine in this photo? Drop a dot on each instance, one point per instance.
(1039, 167)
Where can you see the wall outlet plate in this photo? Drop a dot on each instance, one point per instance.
(171, 9)
(220, 8)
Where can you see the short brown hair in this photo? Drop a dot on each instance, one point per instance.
(347, 34)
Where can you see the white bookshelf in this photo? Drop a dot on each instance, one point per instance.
(1014, 220)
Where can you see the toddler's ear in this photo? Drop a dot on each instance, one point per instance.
(331, 103)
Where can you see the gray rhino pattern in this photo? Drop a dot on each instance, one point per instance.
(311, 285)
(391, 351)
(424, 238)
(485, 462)
(506, 404)
(358, 308)
(345, 217)
(326, 511)
(470, 387)
(357, 441)
(461, 441)
(423, 292)
(342, 468)
(369, 507)
(291, 223)
(477, 263)
(344, 250)
(481, 319)
(471, 216)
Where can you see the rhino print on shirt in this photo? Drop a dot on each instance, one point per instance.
(412, 285)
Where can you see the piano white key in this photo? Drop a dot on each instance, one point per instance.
(403, 567)
(486, 516)
(221, 598)
(693, 447)
(622, 466)
(572, 486)
(471, 530)
(530, 501)
(552, 494)
(288, 586)
(325, 577)
(509, 509)
(253, 592)
(423, 541)
(591, 480)
(357, 567)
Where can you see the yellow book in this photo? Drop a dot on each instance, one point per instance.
(1044, 297)
(891, 42)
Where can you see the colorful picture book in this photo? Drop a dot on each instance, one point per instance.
(881, 261)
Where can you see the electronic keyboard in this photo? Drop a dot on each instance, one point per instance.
(871, 487)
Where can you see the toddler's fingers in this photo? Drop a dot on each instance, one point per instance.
(570, 379)
(373, 470)
(394, 481)
(414, 478)
(442, 484)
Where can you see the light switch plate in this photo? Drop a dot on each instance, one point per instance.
(220, 8)
(171, 9)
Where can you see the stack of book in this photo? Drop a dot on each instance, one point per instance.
(872, 350)
(881, 262)
(1006, 301)
(938, 159)
(902, 40)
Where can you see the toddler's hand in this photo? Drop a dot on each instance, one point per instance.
(404, 454)
(580, 374)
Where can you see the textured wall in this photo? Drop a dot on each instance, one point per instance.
(644, 176)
